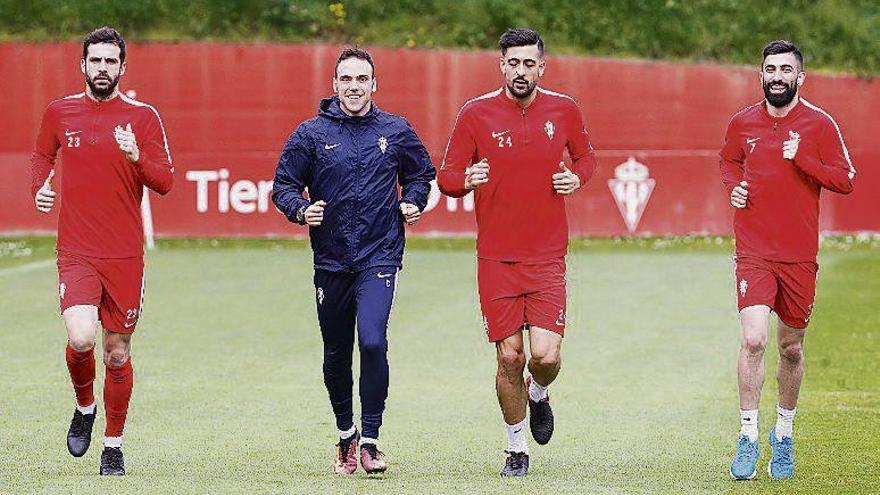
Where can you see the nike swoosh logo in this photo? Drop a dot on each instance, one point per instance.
(129, 325)
(331, 146)
(384, 275)
(517, 431)
(71, 133)
(752, 140)
(497, 135)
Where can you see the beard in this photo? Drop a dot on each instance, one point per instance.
(780, 100)
(530, 87)
(99, 92)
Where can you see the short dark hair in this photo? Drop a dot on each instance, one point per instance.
(354, 53)
(783, 46)
(104, 35)
(520, 37)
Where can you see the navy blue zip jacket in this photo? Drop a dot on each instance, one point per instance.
(354, 164)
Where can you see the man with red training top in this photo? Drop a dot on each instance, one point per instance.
(112, 147)
(521, 131)
(778, 156)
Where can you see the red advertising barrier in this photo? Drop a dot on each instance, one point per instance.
(228, 110)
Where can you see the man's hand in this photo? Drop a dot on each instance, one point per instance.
(411, 213)
(740, 195)
(314, 213)
(566, 182)
(790, 147)
(45, 198)
(477, 175)
(127, 142)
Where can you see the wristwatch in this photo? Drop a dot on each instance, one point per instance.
(301, 214)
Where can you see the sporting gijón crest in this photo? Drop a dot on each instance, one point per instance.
(631, 188)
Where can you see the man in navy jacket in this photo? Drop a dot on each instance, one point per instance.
(351, 157)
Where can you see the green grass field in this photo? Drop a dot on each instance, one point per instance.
(229, 398)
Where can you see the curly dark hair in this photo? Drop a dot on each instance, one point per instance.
(520, 37)
(104, 35)
(783, 46)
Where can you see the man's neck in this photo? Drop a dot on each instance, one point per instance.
(522, 102)
(91, 95)
(780, 112)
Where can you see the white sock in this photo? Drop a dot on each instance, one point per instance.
(87, 409)
(113, 442)
(343, 434)
(784, 422)
(516, 437)
(537, 392)
(748, 419)
(369, 440)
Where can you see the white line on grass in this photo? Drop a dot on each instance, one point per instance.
(27, 267)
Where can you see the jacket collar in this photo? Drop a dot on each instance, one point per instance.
(329, 107)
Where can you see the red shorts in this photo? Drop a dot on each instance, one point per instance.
(114, 285)
(514, 295)
(789, 289)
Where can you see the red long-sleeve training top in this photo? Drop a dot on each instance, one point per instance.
(519, 215)
(781, 218)
(100, 191)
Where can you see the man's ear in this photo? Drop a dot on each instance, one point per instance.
(335, 87)
(82, 65)
(122, 68)
(375, 85)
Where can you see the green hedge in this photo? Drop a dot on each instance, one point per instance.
(834, 34)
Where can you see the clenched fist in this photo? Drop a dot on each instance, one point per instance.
(127, 142)
(477, 174)
(411, 213)
(565, 182)
(314, 213)
(740, 195)
(45, 198)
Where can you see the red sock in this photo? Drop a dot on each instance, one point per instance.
(82, 373)
(117, 392)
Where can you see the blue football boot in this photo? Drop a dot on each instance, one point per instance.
(781, 466)
(745, 462)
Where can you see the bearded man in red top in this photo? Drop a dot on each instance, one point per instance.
(112, 146)
(521, 131)
(778, 155)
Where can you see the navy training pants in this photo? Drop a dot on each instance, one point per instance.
(343, 299)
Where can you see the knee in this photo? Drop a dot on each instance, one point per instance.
(754, 343)
(372, 347)
(81, 343)
(511, 361)
(115, 358)
(792, 351)
(545, 358)
(81, 331)
(754, 338)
